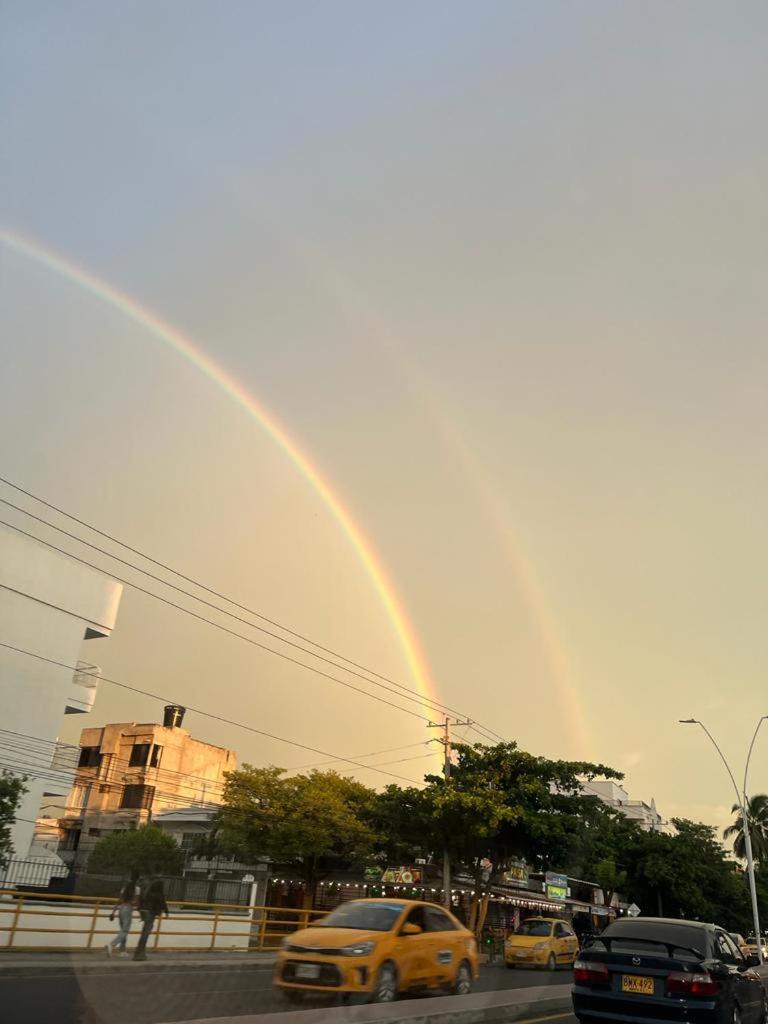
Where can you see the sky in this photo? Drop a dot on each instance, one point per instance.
(498, 269)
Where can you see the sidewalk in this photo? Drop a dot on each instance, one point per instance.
(26, 965)
(479, 1008)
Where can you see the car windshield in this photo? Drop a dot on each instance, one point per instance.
(535, 928)
(369, 917)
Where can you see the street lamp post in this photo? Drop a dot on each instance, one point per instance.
(743, 802)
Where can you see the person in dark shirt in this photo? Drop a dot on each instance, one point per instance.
(151, 905)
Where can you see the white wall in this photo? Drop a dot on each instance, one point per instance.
(47, 604)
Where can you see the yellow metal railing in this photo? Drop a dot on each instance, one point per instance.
(264, 927)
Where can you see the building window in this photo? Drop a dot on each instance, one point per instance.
(137, 798)
(156, 753)
(94, 831)
(139, 755)
(90, 757)
(190, 841)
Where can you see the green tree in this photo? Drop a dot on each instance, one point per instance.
(12, 789)
(686, 874)
(314, 822)
(139, 852)
(757, 816)
(499, 803)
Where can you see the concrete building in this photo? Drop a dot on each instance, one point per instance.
(615, 796)
(128, 773)
(49, 605)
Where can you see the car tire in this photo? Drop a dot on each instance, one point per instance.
(462, 984)
(509, 966)
(293, 997)
(385, 986)
(552, 962)
(735, 1016)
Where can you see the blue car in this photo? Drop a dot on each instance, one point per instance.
(647, 970)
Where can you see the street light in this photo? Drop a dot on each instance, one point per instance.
(743, 803)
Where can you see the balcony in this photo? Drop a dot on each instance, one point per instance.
(85, 682)
(61, 777)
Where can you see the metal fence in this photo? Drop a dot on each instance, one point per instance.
(36, 874)
(55, 922)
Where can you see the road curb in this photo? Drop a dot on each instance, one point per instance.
(480, 1008)
(132, 967)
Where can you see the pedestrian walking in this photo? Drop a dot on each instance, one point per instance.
(151, 905)
(124, 911)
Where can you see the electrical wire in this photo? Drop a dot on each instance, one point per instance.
(207, 714)
(217, 625)
(214, 593)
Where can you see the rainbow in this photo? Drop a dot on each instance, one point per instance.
(181, 343)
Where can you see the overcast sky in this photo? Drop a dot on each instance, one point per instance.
(499, 268)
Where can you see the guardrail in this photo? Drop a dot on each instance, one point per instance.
(29, 921)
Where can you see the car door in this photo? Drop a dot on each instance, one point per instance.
(411, 951)
(443, 945)
(567, 943)
(745, 983)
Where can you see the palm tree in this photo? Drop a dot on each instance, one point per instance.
(757, 816)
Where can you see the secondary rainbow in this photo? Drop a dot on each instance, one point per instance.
(165, 332)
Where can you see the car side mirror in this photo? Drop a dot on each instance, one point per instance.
(411, 929)
(751, 960)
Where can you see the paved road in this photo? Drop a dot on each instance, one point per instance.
(151, 998)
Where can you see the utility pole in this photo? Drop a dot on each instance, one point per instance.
(445, 739)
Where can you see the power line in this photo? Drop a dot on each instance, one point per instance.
(23, 743)
(209, 714)
(481, 730)
(37, 744)
(216, 625)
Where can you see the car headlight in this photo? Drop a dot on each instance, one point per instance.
(541, 945)
(358, 949)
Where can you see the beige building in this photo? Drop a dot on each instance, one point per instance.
(127, 773)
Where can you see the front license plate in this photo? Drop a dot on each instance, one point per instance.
(307, 972)
(522, 955)
(636, 984)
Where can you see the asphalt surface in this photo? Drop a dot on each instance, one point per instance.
(153, 998)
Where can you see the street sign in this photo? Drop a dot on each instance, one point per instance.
(633, 910)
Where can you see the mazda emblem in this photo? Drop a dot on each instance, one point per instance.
(636, 961)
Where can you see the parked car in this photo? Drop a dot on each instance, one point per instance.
(650, 969)
(542, 942)
(379, 948)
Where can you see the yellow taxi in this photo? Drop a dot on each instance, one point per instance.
(542, 942)
(378, 948)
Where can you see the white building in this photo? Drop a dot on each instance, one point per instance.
(49, 604)
(615, 796)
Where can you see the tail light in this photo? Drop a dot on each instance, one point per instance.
(585, 972)
(679, 983)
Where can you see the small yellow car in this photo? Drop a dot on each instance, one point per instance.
(378, 948)
(542, 942)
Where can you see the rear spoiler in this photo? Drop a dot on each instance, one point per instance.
(669, 946)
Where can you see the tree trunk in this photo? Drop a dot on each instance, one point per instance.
(483, 914)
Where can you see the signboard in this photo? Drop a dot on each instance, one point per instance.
(372, 874)
(556, 886)
(557, 892)
(517, 874)
(402, 876)
(633, 910)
